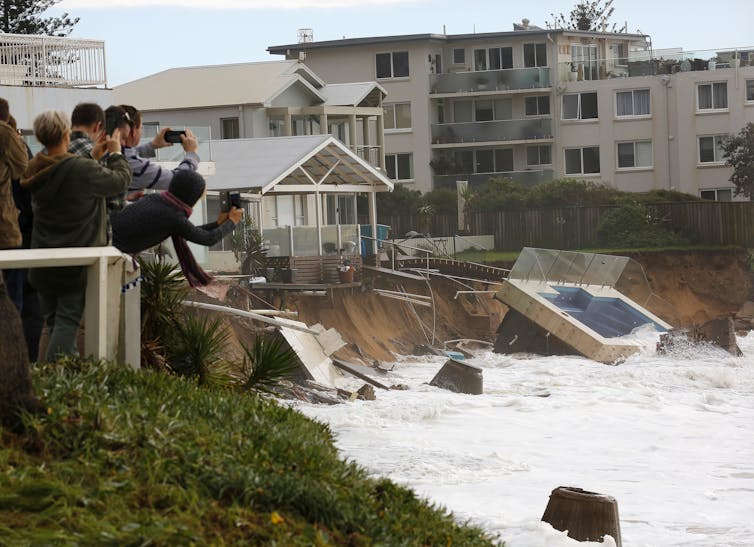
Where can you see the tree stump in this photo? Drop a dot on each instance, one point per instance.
(587, 516)
(16, 392)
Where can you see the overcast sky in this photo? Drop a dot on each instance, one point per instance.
(146, 36)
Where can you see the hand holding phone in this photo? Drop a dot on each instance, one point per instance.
(173, 137)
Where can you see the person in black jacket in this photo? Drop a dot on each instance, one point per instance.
(155, 217)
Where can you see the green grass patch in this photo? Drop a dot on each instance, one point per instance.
(134, 458)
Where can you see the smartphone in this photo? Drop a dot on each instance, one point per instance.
(174, 136)
(111, 122)
(228, 200)
(235, 199)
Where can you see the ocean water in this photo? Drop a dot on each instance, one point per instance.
(670, 437)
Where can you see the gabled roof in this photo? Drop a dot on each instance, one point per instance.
(219, 85)
(353, 94)
(281, 164)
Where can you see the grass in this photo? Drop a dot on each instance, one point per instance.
(134, 458)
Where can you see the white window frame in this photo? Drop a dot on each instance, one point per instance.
(392, 65)
(394, 157)
(238, 127)
(715, 147)
(716, 190)
(581, 172)
(539, 148)
(749, 97)
(635, 167)
(487, 63)
(463, 54)
(712, 108)
(633, 115)
(537, 98)
(390, 114)
(579, 110)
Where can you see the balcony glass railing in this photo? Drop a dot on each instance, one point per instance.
(645, 64)
(49, 61)
(175, 152)
(499, 130)
(371, 154)
(526, 178)
(489, 80)
(302, 240)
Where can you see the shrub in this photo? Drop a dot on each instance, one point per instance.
(442, 200)
(632, 224)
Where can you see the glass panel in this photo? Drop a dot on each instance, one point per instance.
(459, 56)
(541, 54)
(641, 102)
(626, 154)
(706, 149)
(403, 116)
(390, 166)
(643, 154)
(484, 162)
(405, 171)
(503, 160)
(573, 161)
(507, 57)
(465, 158)
(389, 117)
(504, 109)
(718, 148)
(588, 106)
(494, 55)
(532, 155)
(750, 90)
(544, 105)
(462, 111)
(545, 157)
(530, 59)
(400, 64)
(720, 95)
(592, 160)
(624, 103)
(480, 59)
(707, 194)
(484, 111)
(383, 65)
(530, 105)
(724, 195)
(705, 96)
(570, 107)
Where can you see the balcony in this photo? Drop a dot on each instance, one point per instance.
(525, 178)
(488, 81)
(444, 135)
(46, 61)
(370, 154)
(644, 64)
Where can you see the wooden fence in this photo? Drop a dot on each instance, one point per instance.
(705, 222)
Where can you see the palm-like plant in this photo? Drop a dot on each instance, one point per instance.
(266, 363)
(195, 347)
(247, 247)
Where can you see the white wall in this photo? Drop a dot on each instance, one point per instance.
(26, 102)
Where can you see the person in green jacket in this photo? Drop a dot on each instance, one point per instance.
(68, 200)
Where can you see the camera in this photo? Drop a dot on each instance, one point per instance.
(174, 136)
(228, 200)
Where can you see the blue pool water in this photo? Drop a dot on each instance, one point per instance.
(608, 316)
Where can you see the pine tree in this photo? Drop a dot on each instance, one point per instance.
(738, 152)
(588, 15)
(25, 17)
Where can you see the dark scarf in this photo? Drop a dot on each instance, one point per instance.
(193, 273)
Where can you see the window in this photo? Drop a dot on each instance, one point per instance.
(538, 155)
(483, 110)
(580, 106)
(619, 54)
(537, 106)
(710, 150)
(582, 161)
(634, 154)
(493, 58)
(340, 209)
(399, 166)
(535, 55)
(459, 56)
(498, 160)
(230, 129)
(713, 96)
(717, 194)
(392, 65)
(397, 115)
(750, 90)
(632, 103)
(585, 58)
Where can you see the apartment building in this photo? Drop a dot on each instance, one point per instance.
(535, 104)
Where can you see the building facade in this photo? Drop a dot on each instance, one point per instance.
(536, 104)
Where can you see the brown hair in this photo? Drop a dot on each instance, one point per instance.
(87, 114)
(134, 113)
(4, 110)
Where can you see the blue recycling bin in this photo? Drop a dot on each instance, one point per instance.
(366, 230)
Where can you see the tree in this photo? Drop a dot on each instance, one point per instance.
(738, 151)
(589, 15)
(24, 17)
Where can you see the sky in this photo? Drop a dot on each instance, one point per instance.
(143, 37)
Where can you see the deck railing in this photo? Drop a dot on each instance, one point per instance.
(48, 61)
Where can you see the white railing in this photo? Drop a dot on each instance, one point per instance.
(49, 61)
(112, 314)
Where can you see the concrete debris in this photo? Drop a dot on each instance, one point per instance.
(360, 371)
(459, 377)
(366, 393)
(720, 332)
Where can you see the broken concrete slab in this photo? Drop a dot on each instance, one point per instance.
(459, 377)
(360, 371)
(316, 363)
(720, 332)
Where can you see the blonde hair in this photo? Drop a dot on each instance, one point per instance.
(51, 127)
